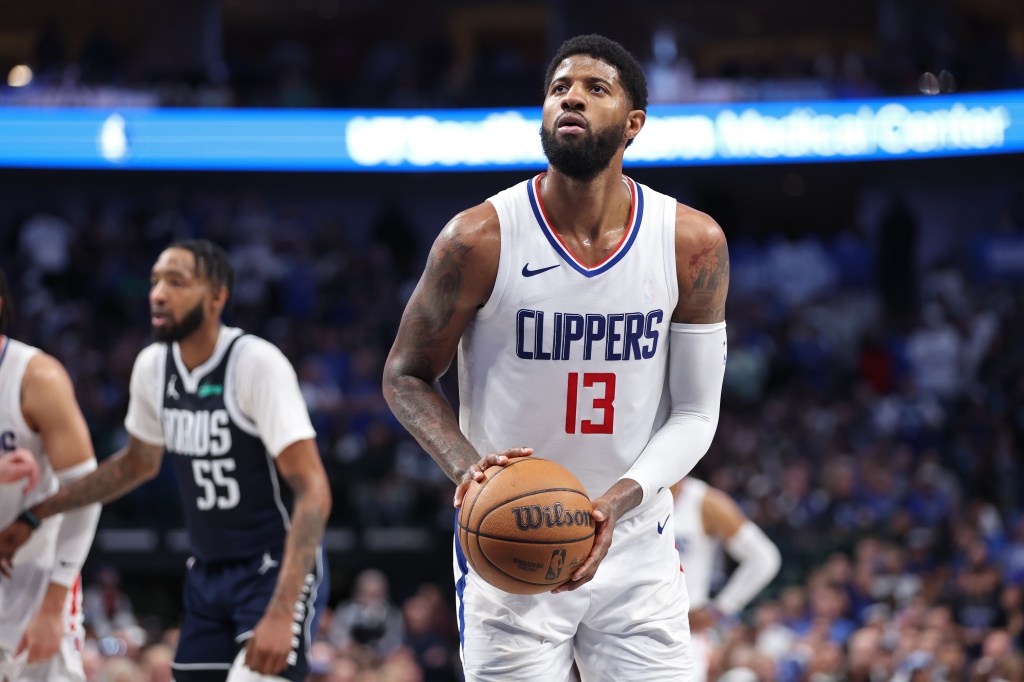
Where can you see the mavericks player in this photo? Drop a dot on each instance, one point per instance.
(706, 519)
(40, 593)
(226, 408)
(562, 296)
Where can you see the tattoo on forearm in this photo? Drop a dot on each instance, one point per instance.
(303, 541)
(424, 411)
(709, 273)
(113, 478)
(420, 405)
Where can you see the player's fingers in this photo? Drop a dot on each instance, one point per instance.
(250, 657)
(22, 645)
(502, 457)
(33, 479)
(476, 472)
(602, 541)
(460, 492)
(5, 567)
(586, 571)
(37, 652)
(269, 663)
(516, 452)
(280, 663)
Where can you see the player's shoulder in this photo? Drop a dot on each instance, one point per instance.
(696, 229)
(475, 226)
(721, 509)
(151, 355)
(255, 352)
(43, 369)
(470, 245)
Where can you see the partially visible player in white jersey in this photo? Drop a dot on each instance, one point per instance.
(40, 593)
(588, 314)
(706, 520)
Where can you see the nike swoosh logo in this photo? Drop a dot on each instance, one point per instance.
(527, 272)
(661, 526)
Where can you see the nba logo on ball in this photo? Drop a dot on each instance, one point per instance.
(524, 524)
(555, 567)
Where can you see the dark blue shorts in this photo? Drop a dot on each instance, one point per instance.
(223, 603)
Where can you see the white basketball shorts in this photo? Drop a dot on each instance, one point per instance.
(628, 623)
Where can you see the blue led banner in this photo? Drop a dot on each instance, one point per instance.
(477, 139)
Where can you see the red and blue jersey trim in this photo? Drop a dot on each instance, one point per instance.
(636, 213)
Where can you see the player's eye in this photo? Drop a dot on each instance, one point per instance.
(599, 89)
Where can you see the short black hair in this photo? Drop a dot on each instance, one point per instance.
(631, 74)
(6, 305)
(212, 262)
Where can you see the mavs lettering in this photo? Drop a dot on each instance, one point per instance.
(197, 434)
(571, 336)
(7, 442)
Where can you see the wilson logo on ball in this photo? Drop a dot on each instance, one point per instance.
(532, 517)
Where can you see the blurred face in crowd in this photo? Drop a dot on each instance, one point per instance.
(180, 297)
(587, 118)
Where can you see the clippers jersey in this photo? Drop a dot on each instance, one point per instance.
(697, 549)
(228, 481)
(15, 433)
(569, 359)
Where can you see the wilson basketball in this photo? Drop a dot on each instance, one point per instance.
(526, 526)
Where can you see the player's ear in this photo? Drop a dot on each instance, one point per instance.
(220, 296)
(634, 122)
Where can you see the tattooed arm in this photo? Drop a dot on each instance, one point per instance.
(702, 268)
(118, 474)
(457, 281)
(271, 643)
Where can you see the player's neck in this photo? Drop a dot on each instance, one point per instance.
(586, 209)
(198, 346)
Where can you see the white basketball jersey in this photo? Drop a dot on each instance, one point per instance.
(22, 592)
(15, 433)
(697, 549)
(566, 358)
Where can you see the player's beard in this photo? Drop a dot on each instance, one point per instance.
(582, 156)
(193, 320)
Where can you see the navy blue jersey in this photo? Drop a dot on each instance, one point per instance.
(229, 483)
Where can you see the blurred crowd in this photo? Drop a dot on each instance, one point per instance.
(367, 636)
(457, 58)
(872, 424)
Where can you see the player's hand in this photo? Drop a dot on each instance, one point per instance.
(625, 494)
(704, 618)
(271, 642)
(19, 464)
(11, 539)
(476, 472)
(604, 516)
(42, 636)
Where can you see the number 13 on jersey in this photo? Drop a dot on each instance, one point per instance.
(602, 385)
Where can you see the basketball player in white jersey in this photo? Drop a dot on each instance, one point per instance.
(40, 594)
(563, 296)
(226, 408)
(705, 520)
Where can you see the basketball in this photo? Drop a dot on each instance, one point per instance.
(526, 526)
